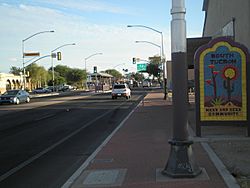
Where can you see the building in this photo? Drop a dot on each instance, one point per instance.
(10, 81)
(227, 18)
(99, 81)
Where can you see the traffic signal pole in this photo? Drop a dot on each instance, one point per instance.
(181, 163)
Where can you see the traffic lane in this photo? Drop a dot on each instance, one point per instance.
(48, 120)
(43, 101)
(69, 154)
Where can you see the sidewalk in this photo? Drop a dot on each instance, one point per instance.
(135, 154)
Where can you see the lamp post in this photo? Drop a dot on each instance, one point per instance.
(181, 163)
(143, 41)
(24, 75)
(162, 55)
(85, 61)
(52, 63)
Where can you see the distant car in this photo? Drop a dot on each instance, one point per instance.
(121, 90)
(15, 97)
(40, 90)
(146, 83)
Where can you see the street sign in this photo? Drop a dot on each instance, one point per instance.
(31, 54)
(53, 55)
(141, 67)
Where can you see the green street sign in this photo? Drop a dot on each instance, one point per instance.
(141, 67)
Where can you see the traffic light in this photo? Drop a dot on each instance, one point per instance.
(59, 56)
(134, 60)
(95, 69)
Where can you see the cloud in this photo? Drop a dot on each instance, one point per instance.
(115, 41)
(87, 6)
(13, 59)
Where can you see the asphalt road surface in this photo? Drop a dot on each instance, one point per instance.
(44, 142)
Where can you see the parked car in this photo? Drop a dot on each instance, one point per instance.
(15, 97)
(40, 90)
(121, 90)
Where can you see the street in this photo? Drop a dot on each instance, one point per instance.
(44, 142)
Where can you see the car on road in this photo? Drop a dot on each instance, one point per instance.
(146, 83)
(40, 90)
(121, 90)
(15, 97)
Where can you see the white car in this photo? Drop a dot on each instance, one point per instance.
(121, 90)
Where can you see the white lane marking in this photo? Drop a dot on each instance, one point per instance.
(30, 160)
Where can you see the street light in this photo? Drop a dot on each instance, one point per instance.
(118, 65)
(52, 63)
(144, 41)
(162, 55)
(85, 61)
(41, 32)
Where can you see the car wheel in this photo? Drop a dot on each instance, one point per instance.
(28, 100)
(17, 101)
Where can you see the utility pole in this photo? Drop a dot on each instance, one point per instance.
(181, 163)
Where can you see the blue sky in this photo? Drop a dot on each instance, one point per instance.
(96, 26)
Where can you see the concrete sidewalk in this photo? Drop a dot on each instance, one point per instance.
(134, 155)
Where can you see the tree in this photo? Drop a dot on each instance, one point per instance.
(138, 76)
(153, 67)
(76, 77)
(62, 70)
(15, 70)
(58, 80)
(39, 76)
(116, 74)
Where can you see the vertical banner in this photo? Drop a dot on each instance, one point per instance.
(221, 70)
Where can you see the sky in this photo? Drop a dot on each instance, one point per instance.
(95, 26)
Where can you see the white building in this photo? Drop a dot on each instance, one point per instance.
(10, 81)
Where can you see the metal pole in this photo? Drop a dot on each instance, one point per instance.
(24, 83)
(86, 83)
(53, 73)
(86, 66)
(164, 68)
(162, 55)
(181, 163)
(24, 77)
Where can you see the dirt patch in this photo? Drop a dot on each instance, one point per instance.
(236, 157)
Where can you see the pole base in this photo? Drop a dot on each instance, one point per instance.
(181, 162)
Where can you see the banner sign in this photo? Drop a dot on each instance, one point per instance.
(221, 81)
(31, 54)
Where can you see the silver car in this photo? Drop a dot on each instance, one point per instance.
(121, 90)
(15, 97)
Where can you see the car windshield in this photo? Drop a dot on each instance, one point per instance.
(11, 92)
(119, 86)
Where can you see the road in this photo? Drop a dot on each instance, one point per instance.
(44, 142)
